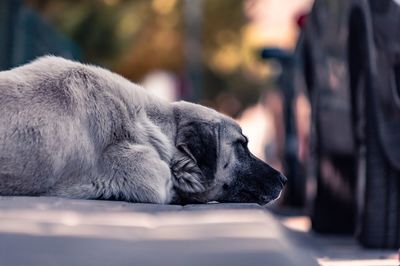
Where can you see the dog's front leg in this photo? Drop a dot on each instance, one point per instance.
(134, 173)
(125, 171)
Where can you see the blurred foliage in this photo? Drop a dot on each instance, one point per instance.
(130, 37)
(138, 36)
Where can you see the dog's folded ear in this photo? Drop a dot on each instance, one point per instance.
(187, 176)
(194, 164)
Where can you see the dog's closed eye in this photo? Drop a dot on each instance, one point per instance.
(243, 140)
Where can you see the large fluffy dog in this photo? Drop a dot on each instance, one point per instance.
(79, 131)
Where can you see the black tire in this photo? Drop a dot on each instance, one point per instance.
(331, 210)
(378, 188)
(332, 213)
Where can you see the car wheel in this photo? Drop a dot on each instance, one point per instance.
(331, 197)
(378, 183)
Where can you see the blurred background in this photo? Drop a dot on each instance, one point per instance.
(202, 51)
(296, 74)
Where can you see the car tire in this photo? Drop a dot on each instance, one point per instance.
(378, 183)
(330, 211)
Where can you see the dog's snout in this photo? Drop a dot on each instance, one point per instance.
(283, 179)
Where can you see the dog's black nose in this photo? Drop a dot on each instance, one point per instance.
(283, 179)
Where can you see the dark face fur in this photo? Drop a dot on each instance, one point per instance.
(213, 163)
(252, 179)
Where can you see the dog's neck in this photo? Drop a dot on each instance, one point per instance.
(161, 114)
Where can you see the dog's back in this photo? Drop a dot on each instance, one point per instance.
(55, 117)
(37, 126)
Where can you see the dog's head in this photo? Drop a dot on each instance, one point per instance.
(213, 163)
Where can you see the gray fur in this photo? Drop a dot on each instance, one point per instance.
(79, 131)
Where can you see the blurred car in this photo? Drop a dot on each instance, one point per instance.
(350, 59)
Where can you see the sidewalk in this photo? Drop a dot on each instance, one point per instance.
(54, 231)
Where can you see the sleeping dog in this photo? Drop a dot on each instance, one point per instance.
(79, 131)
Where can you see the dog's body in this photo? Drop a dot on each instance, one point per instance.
(79, 131)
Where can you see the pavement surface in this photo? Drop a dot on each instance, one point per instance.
(55, 231)
(333, 250)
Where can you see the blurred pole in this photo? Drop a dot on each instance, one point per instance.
(193, 31)
(8, 19)
(294, 195)
(296, 184)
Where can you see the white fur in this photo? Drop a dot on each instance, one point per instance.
(79, 131)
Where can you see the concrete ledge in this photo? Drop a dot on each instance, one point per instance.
(55, 231)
